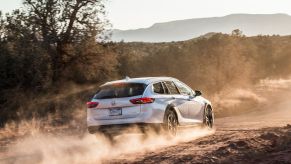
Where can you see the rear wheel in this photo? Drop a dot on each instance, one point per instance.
(97, 132)
(208, 119)
(171, 123)
(109, 136)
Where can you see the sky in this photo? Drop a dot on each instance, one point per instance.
(133, 14)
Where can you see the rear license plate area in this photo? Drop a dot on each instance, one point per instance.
(115, 112)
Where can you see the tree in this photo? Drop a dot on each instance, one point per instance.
(61, 23)
(237, 32)
(2, 27)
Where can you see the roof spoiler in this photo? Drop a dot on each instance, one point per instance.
(127, 78)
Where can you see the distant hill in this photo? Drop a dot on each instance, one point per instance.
(250, 24)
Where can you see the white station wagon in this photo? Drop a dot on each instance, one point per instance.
(147, 102)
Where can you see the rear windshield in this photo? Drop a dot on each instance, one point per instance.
(120, 90)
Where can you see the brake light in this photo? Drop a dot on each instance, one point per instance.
(92, 104)
(143, 100)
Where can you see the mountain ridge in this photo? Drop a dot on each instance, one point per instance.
(179, 30)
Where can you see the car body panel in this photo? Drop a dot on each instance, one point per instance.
(196, 108)
(102, 111)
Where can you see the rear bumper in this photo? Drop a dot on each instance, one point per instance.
(146, 116)
(122, 128)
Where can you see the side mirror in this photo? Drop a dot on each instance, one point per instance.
(198, 93)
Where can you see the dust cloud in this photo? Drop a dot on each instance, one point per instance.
(274, 84)
(43, 148)
(241, 100)
(233, 97)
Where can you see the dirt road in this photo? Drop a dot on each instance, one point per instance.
(264, 139)
(261, 136)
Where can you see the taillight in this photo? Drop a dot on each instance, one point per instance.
(92, 104)
(143, 100)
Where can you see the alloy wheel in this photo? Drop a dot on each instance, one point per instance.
(172, 124)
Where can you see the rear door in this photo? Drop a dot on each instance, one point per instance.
(114, 101)
(180, 100)
(195, 107)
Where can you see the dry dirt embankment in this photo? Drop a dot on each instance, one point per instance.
(268, 145)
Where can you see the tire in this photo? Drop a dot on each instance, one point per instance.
(171, 123)
(208, 120)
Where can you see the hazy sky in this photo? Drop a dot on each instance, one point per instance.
(131, 14)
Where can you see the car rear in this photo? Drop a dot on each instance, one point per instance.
(117, 105)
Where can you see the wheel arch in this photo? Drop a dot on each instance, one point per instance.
(208, 106)
(171, 107)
